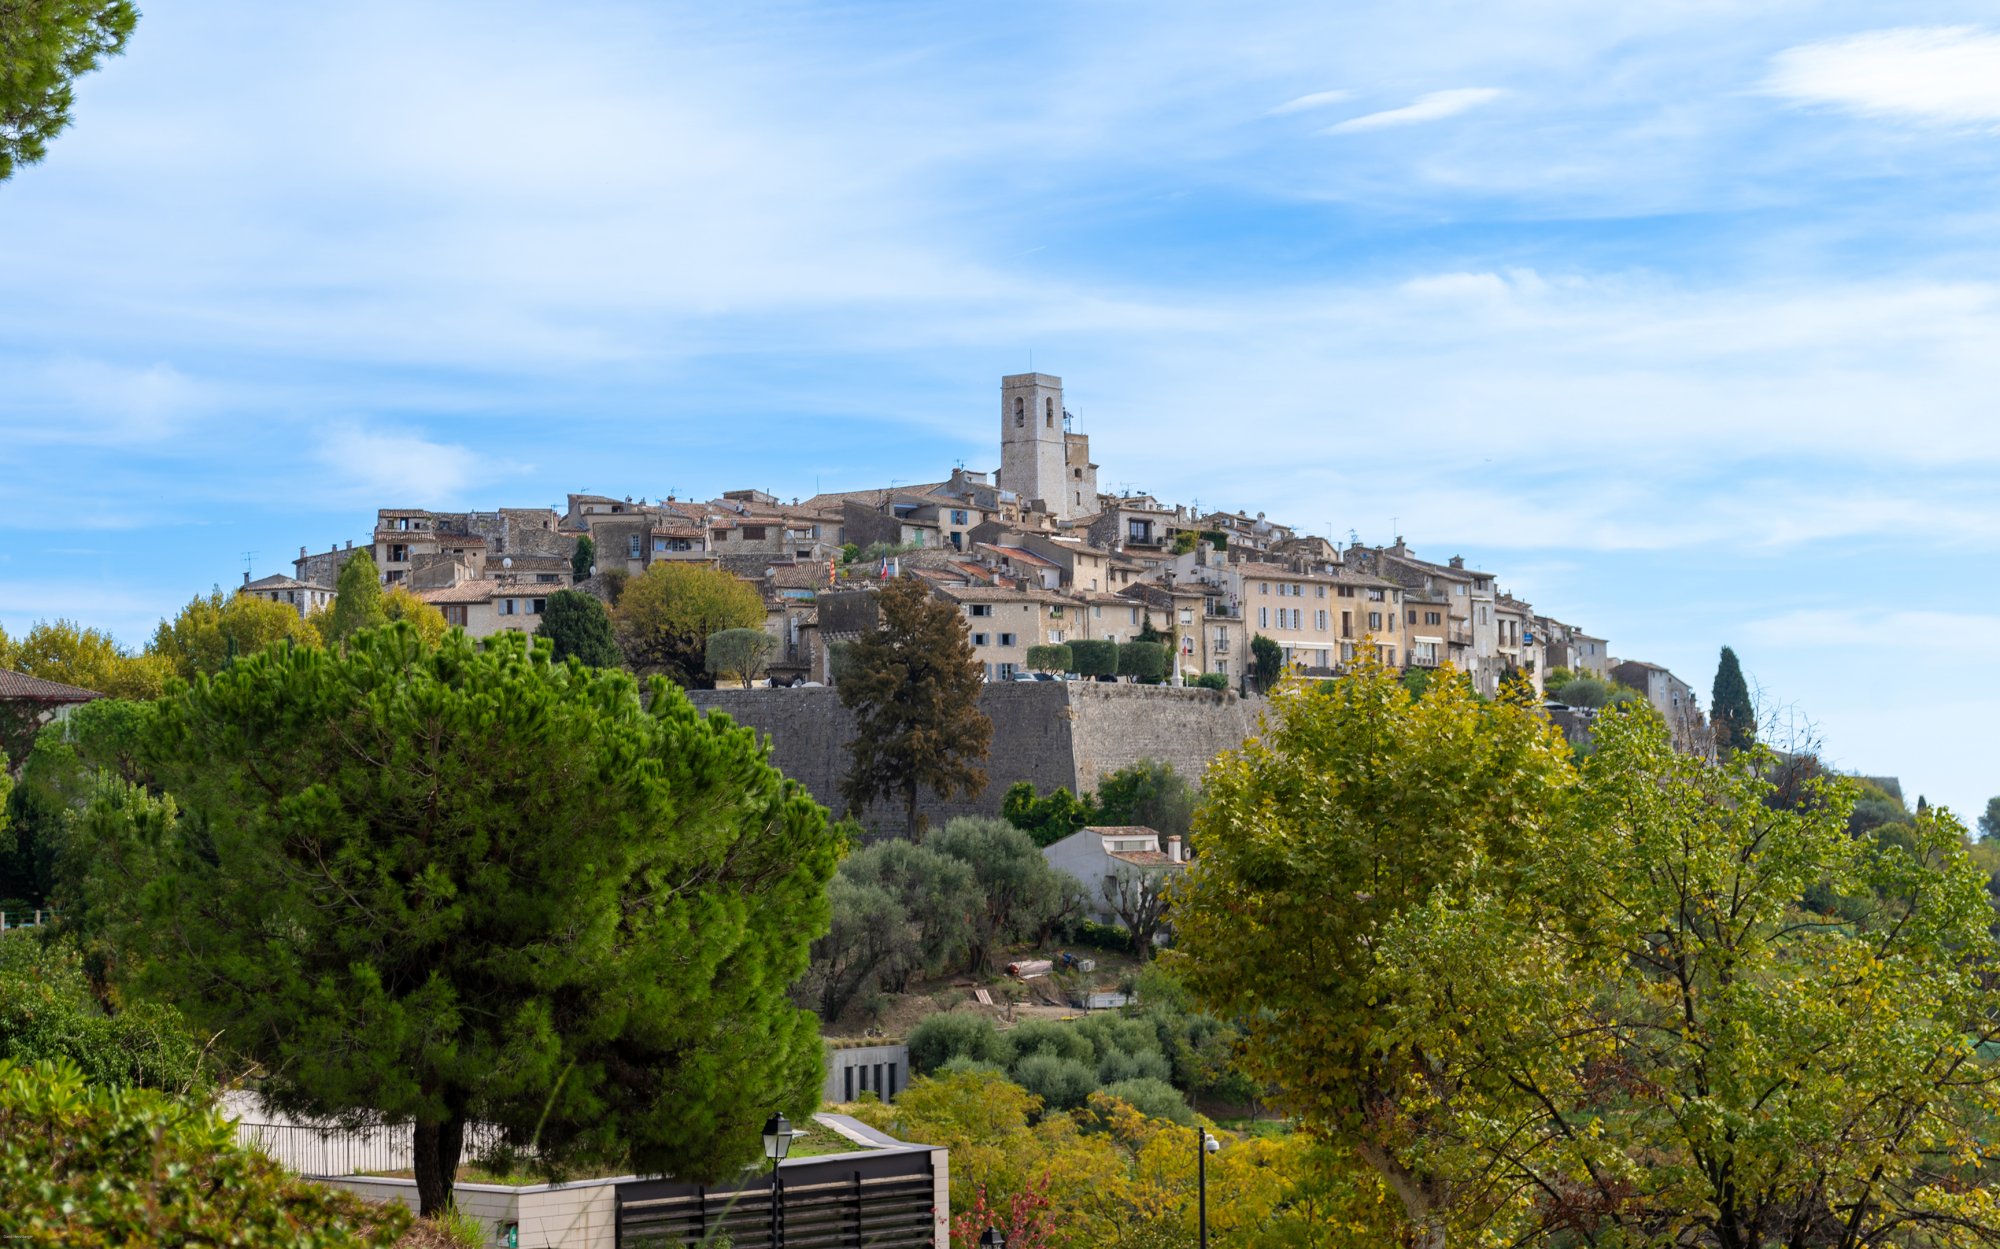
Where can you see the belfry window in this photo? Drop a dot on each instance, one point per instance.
(1020, 413)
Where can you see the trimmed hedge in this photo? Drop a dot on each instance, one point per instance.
(1056, 658)
(1094, 658)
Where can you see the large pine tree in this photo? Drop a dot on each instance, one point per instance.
(913, 686)
(1729, 705)
(464, 883)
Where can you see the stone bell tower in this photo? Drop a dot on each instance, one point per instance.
(1033, 449)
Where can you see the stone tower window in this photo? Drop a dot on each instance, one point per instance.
(1020, 418)
(1051, 418)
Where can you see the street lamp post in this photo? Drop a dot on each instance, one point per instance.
(992, 1239)
(777, 1143)
(1208, 1145)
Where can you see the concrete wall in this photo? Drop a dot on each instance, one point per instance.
(883, 1070)
(1048, 733)
(582, 1215)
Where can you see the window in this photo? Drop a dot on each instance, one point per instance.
(454, 614)
(1096, 612)
(1263, 587)
(1347, 625)
(958, 518)
(398, 553)
(632, 548)
(545, 578)
(1263, 617)
(1135, 615)
(1374, 619)
(979, 639)
(506, 607)
(1374, 596)
(981, 609)
(1319, 620)
(1006, 639)
(1051, 409)
(1187, 615)
(1431, 618)
(536, 606)
(1319, 591)
(1055, 637)
(1079, 476)
(1460, 590)
(1413, 617)
(753, 533)
(1020, 417)
(1346, 591)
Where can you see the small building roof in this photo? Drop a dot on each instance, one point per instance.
(19, 687)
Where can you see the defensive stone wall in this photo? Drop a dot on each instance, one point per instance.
(1048, 733)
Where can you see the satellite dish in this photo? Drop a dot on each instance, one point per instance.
(508, 562)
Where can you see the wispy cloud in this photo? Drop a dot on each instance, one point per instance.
(368, 463)
(1941, 74)
(1434, 106)
(1318, 99)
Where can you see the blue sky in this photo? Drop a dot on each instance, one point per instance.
(1684, 318)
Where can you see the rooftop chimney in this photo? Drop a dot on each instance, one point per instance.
(246, 576)
(350, 544)
(1458, 561)
(1174, 848)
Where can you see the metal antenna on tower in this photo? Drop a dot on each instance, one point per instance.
(249, 559)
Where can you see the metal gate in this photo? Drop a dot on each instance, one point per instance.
(885, 1199)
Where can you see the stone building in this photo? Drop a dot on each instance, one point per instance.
(1043, 461)
(304, 597)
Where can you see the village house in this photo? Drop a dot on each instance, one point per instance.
(304, 597)
(1097, 856)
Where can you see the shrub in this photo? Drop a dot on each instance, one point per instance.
(1144, 661)
(1119, 1065)
(1094, 658)
(1054, 658)
(1061, 1083)
(965, 1066)
(47, 1012)
(93, 1166)
(1047, 1036)
(1088, 932)
(1210, 681)
(1156, 1099)
(952, 1034)
(1110, 1033)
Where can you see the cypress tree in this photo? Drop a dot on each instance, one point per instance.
(585, 559)
(357, 599)
(1729, 703)
(577, 625)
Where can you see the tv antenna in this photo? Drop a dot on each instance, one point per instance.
(249, 558)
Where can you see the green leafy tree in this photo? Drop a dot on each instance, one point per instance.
(428, 622)
(1389, 804)
(1145, 662)
(938, 1039)
(7, 652)
(45, 46)
(898, 910)
(870, 933)
(739, 654)
(214, 629)
(577, 626)
(467, 848)
(913, 686)
(1151, 793)
(1053, 658)
(1989, 823)
(1022, 897)
(1267, 659)
(582, 563)
(95, 1166)
(357, 600)
(1093, 657)
(665, 616)
(48, 1013)
(1734, 718)
(1049, 819)
(66, 652)
(1588, 1006)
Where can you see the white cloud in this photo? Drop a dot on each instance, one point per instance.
(82, 401)
(1940, 74)
(374, 464)
(1434, 106)
(1318, 99)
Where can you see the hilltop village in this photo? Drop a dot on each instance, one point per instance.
(1033, 554)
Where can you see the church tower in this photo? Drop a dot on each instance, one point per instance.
(1034, 453)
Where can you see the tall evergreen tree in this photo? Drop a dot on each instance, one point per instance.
(507, 892)
(357, 599)
(577, 625)
(584, 561)
(45, 46)
(1729, 705)
(913, 686)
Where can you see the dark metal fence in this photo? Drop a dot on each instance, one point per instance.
(884, 1200)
